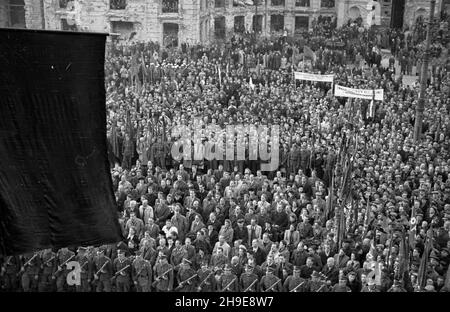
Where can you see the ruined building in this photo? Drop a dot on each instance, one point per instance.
(174, 21)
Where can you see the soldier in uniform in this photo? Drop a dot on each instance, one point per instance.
(228, 282)
(206, 278)
(249, 281)
(122, 272)
(163, 272)
(397, 287)
(102, 271)
(370, 287)
(30, 271)
(85, 270)
(316, 284)
(141, 273)
(48, 268)
(270, 282)
(63, 256)
(295, 283)
(342, 285)
(186, 277)
(9, 272)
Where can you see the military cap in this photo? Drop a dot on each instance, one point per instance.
(296, 268)
(82, 249)
(242, 247)
(227, 267)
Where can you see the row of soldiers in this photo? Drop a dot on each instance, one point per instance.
(89, 269)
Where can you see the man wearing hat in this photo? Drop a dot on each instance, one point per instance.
(295, 283)
(8, 274)
(63, 256)
(85, 270)
(206, 278)
(122, 272)
(228, 282)
(248, 281)
(186, 277)
(270, 282)
(163, 272)
(141, 273)
(31, 263)
(102, 270)
(48, 267)
(316, 284)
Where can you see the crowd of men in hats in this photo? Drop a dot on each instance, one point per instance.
(226, 225)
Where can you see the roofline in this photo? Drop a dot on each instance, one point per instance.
(56, 32)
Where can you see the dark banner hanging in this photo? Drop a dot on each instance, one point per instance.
(55, 183)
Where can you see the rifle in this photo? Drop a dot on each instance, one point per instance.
(320, 288)
(48, 261)
(140, 271)
(161, 276)
(86, 262)
(247, 289)
(273, 285)
(186, 281)
(295, 289)
(120, 271)
(226, 287)
(26, 264)
(199, 288)
(62, 265)
(101, 269)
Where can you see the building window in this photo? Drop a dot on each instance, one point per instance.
(327, 3)
(117, 4)
(302, 3)
(170, 35)
(123, 28)
(63, 4)
(257, 23)
(239, 24)
(277, 22)
(219, 27)
(170, 6)
(65, 25)
(219, 3)
(16, 10)
(301, 23)
(277, 2)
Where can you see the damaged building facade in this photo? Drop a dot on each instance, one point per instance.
(171, 22)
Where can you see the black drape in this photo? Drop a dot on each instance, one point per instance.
(55, 185)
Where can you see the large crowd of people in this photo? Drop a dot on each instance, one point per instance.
(355, 205)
